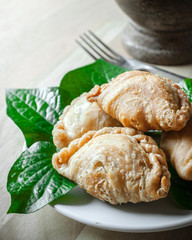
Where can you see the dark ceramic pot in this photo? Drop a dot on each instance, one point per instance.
(159, 31)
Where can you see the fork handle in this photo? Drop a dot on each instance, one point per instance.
(172, 76)
(135, 64)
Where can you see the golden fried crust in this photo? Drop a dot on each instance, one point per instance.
(178, 148)
(144, 101)
(78, 118)
(117, 165)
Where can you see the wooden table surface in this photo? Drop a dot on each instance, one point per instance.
(37, 48)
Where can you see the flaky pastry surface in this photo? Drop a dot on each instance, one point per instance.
(178, 148)
(78, 118)
(117, 165)
(144, 101)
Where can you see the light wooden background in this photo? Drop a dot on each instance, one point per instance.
(36, 48)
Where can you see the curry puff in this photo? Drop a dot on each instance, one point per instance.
(144, 101)
(178, 148)
(78, 118)
(117, 165)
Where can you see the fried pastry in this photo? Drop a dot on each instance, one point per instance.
(78, 118)
(117, 165)
(144, 101)
(178, 148)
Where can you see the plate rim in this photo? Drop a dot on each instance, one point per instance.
(91, 221)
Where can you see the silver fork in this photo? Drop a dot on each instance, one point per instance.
(96, 48)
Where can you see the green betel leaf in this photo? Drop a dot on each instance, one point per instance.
(83, 79)
(181, 190)
(187, 87)
(35, 111)
(32, 180)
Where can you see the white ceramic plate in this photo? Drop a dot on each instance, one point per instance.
(159, 215)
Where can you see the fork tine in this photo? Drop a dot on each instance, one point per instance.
(106, 46)
(93, 48)
(101, 49)
(81, 45)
